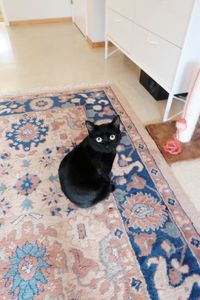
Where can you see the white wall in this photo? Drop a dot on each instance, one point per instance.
(89, 18)
(15, 10)
(96, 20)
(3, 11)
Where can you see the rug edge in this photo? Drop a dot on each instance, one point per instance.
(58, 88)
(182, 197)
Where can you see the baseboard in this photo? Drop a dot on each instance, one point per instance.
(41, 21)
(94, 44)
(97, 44)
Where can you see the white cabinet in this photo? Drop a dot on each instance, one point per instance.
(156, 56)
(168, 19)
(160, 36)
(89, 16)
(125, 8)
(117, 25)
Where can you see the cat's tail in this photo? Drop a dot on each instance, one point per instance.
(106, 190)
(104, 193)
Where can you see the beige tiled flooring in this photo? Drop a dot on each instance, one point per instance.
(54, 55)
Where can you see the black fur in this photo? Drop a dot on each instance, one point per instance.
(84, 172)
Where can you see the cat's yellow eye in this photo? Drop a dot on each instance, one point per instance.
(112, 137)
(99, 139)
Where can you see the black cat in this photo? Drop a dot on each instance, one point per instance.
(84, 172)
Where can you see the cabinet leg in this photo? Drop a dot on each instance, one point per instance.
(168, 107)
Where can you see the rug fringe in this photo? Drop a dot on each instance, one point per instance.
(59, 88)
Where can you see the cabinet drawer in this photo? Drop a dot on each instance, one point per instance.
(125, 7)
(120, 30)
(157, 57)
(169, 19)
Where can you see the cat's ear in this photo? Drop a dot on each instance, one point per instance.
(116, 122)
(90, 126)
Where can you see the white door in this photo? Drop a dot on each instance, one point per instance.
(79, 10)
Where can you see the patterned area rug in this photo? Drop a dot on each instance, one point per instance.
(140, 243)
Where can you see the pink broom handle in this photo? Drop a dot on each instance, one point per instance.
(186, 125)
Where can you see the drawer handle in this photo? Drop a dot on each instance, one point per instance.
(152, 42)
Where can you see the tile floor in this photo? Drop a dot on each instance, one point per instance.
(53, 55)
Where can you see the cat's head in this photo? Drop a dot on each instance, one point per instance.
(105, 137)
